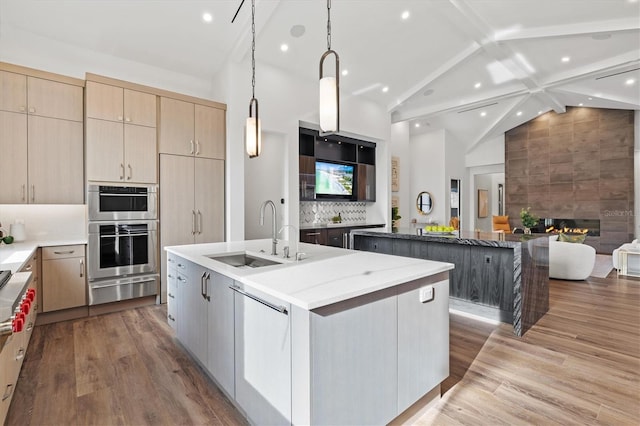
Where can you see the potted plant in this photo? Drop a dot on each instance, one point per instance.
(529, 220)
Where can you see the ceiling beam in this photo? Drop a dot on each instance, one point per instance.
(568, 30)
(446, 67)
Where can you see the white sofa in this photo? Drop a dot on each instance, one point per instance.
(632, 260)
(570, 261)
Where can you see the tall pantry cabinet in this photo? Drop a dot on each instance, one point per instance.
(192, 163)
(41, 137)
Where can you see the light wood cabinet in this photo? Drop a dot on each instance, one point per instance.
(63, 277)
(191, 129)
(191, 201)
(41, 139)
(55, 165)
(121, 134)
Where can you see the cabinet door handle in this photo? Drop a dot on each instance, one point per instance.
(122, 170)
(280, 309)
(171, 317)
(197, 147)
(64, 252)
(193, 222)
(128, 120)
(33, 193)
(309, 234)
(22, 108)
(199, 222)
(24, 192)
(130, 172)
(206, 287)
(170, 296)
(7, 392)
(202, 285)
(191, 150)
(182, 280)
(28, 268)
(81, 267)
(32, 109)
(119, 118)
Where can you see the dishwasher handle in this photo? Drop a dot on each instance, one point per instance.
(280, 308)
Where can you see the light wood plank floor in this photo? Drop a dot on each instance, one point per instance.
(579, 365)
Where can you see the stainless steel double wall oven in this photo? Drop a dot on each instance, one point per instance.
(123, 242)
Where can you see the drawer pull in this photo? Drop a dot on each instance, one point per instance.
(64, 252)
(171, 317)
(309, 234)
(171, 296)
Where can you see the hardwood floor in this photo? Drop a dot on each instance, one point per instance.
(580, 364)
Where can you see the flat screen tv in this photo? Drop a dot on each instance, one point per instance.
(334, 180)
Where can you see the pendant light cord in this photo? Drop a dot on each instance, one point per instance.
(328, 24)
(253, 49)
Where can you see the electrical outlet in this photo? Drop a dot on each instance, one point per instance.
(426, 294)
(487, 259)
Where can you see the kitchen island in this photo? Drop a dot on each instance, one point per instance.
(340, 337)
(499, 276)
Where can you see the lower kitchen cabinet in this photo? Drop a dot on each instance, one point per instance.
(172, 289)
(262, 357)
(335, 236)
(64, 283)
(313, 236)
(220, 330)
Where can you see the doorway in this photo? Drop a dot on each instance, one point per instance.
(455, 207)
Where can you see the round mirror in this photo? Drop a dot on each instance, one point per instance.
(424, 203)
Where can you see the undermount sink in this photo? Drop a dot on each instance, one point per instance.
(243, 260)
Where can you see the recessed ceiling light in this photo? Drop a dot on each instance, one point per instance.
(405, 15)
(385, 89)
(566, 59)
(483, 114)
(477, 85)
(630, 82)
(519, 113)
(598, 95)
(207, 17)
(428, 92)
(417, 124)
(580, 104)
(539, 112)
(284, 47)
(345, 72)
(297, 31)
(590, 98)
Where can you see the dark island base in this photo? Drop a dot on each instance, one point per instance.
(502, 277)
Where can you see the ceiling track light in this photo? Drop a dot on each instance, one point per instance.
(329, 88)
(253, 129)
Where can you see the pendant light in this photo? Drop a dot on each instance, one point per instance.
(253, 130)
(329, 88)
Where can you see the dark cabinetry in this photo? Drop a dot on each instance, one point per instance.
(314, 236)
(335, 237)
(341, 149)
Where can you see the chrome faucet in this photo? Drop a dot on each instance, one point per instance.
(274, 232)
(286, 253)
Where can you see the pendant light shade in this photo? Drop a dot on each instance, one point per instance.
(253, 131)
(329, 87)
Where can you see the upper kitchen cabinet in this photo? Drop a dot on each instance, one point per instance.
(121, 132)
(41, 137)
(192, 129)
(112, 103)
(40, 96)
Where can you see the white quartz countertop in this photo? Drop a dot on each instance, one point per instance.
(13, 256)
(327, 275)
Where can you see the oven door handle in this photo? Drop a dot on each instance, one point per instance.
(144, 234)
(124, 283)
(109, 194)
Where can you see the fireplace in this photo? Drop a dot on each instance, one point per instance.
(591, 227)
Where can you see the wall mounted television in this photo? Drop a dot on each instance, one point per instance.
(334, 180)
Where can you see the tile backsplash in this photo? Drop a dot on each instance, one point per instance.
(317, 213)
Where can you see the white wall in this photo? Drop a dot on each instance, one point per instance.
(400, 147)
(427, 153)
(264, 180)
(486, 153)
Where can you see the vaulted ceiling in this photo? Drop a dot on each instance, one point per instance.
(474, 67)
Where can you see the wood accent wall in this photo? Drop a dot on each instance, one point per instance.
(574, 165)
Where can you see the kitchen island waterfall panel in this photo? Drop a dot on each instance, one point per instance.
(500, 276)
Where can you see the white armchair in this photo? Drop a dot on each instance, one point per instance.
(614, 256)
(570, 261)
